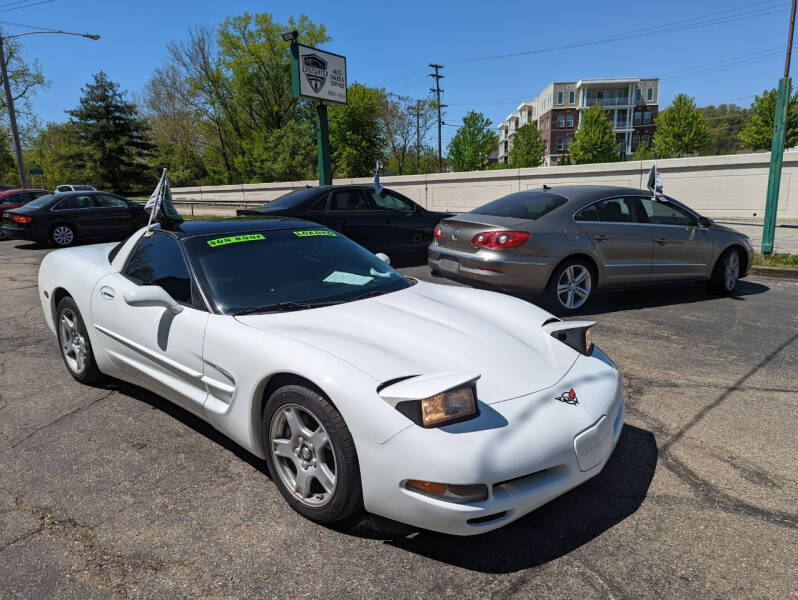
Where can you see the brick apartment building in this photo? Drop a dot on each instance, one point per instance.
(632, 104)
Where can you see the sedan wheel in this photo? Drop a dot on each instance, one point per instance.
(731, 271)
(63, 235)
(574, 286)
(303, 455)
(726, 273)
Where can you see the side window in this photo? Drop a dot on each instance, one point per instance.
(615, 210)
(386, 201)
(108, 201)
(74, 202)
(587, 214)
(319, 205)
(348, 200)
(662, 213)
(157, 260)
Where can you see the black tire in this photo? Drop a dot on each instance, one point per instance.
(347, 497)
(84, 370)
(557, 302)
(726, 273)
(62, 235)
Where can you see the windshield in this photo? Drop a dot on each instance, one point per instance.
(292, 199)
(40, 202)
(261, 271)
(522, 205)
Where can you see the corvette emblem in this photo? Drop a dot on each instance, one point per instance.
(455, 234)
(568, 397)
(315, 70)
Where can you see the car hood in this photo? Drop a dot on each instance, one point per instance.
(431, 328)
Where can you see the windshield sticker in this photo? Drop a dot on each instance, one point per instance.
(315, 233)
(235, 239)
(347, 278)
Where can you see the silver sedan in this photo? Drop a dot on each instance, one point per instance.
(565, 243)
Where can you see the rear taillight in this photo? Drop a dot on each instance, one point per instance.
(21, 219)
(438, 232)
(499, 240)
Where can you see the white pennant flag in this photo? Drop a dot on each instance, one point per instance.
(654, 181)
(160, 204)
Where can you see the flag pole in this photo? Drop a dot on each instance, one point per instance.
(156, 206)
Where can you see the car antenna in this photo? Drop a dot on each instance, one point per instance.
(546, 187)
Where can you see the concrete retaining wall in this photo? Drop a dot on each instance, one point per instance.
(722, 187)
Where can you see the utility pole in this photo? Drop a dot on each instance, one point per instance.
(417, 114)
(438, 91)
(777, 146)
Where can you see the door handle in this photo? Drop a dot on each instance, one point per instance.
(662, 241)
(601, 238)
(107, 292)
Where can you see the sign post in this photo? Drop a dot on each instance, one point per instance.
(320, 76)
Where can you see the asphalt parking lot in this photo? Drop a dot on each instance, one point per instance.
(113, 492)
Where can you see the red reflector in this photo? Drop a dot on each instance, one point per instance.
(46, 294)
(491, 270)
(498, 240)
(21, 219)
(438, 232)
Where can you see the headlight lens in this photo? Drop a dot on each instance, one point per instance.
(454, 405)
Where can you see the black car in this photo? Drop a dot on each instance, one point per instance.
(62, 219)
(388, 222)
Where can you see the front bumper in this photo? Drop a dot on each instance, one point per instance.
(495, 269)
(527, 450)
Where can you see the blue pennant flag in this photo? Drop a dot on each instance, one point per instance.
(377, 185)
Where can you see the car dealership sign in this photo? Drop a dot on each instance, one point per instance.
(318, 75)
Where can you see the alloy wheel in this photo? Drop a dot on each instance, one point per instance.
(303, 455)
(63, 235)
(574, 286)
(731, 271)
(73, 344)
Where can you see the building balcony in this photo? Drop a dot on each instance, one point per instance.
(608, 102)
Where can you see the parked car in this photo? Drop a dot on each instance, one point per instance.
(387, 222)
(15, 198)
(61, 219)
(448, 408)
(5, 187)
(567, 242)
(75, 188)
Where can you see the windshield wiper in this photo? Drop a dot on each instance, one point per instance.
(280, 307)
(370, 294)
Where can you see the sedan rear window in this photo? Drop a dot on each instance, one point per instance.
(293, 199)
(522, 205)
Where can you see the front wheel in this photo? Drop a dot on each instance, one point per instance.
(726, 273)
(311, 455)
(571, 286)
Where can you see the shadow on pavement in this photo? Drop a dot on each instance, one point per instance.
(558, 527)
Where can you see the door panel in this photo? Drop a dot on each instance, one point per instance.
(406, 230)
(349, 213)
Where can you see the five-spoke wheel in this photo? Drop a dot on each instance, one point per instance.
(571, 286)
(73, 343)
(726, 272)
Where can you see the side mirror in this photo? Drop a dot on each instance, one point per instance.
(383, 257)
(152, 295)
(704, 221)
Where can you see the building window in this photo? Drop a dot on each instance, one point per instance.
(647, 118)
(638, 117)
(650, 94)
(644, 139)
(571, 97)
(568, 144)
(559, 97)
(560, 121)
(638, 95)
(560, 144)
(570, 119)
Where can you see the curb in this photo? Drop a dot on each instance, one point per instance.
(779, 272)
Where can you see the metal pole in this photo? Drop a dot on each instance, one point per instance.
(323, 145)
(12, 118)
(437, 89)
(777, 146)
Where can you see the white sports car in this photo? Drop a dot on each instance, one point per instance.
(447, 408)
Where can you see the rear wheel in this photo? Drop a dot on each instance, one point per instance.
(311, 455)
(571, 286)
(62, 236)
(74, 342)
(726, 273)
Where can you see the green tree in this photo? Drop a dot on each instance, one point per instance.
(114, 148)
(726, 121)
(356, 135)
(54, 150)
(594, 141)
(400, 128)
(681, 128)
(528, 147)
(471, 146)
(757, 133)
(643, 152)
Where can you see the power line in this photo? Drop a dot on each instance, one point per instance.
(27, 5)
(28, 26)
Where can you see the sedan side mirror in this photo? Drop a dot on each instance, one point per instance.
(705, 221)
(383, 257)
(152, 295)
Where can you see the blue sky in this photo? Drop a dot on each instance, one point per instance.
(390, 44)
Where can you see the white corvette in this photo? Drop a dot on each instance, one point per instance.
(450, 409)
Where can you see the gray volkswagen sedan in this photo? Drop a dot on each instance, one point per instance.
(564, 243)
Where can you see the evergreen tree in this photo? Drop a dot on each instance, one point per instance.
(595, 139)
(528, 147)
(113, 138)
(757, 134)
(471, 146)
(643, 152)
(681, 128)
